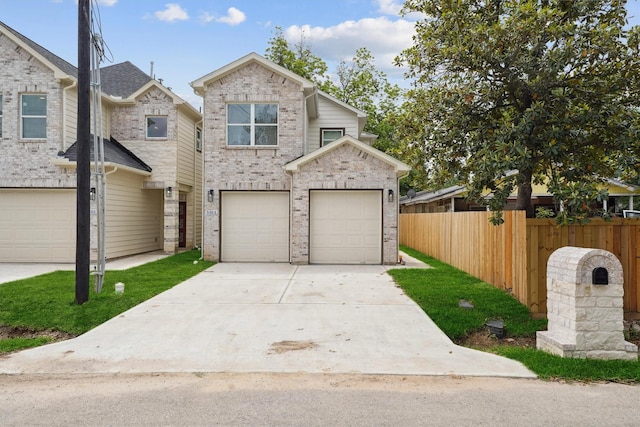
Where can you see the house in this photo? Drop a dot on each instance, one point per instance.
(152, 158)
(289, 174)
(453, 199)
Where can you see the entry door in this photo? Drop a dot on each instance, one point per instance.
(182, 224)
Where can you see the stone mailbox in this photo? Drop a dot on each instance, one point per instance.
(584, 306)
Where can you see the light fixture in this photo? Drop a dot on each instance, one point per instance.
(210, 196)
(92, 193)
(169, 191)
(390, 196)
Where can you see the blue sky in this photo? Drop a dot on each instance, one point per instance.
(187, 39)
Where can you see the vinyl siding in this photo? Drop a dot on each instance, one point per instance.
(134, 221)
(330, 116)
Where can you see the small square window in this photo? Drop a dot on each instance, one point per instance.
(157, 127)
(329, 135)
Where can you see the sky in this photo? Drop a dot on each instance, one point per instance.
(187, 39)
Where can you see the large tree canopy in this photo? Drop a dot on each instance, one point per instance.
(512, 92)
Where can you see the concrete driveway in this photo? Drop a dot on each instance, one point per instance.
(270, 318)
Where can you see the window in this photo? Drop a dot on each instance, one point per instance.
(198, 139)
(34, 116)
(330, 135)
(0, 116)
(157, 127)
(252, 124)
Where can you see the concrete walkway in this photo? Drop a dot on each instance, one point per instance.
(11, 271)
(270, 318)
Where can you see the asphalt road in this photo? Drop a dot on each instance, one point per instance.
(309, 400)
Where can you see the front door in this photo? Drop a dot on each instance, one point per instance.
(182, 224)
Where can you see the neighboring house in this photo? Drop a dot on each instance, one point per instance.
(453, 199)
(289, 175)
(152, 158)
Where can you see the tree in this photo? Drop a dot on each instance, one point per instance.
(360, 84)
(509, 93)
(298, 59)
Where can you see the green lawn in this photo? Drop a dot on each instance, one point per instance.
(46, 302)
(438, 291)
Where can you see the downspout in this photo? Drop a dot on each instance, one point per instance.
(306, 119)
(195, 180)
(64, 114)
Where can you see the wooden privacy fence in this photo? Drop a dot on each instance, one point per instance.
(513, 256)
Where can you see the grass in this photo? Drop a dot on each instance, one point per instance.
(438, 291)
(47, 302)
(15, 344)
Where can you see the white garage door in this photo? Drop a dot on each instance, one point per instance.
(37, 225)
(346, 227)
(255, 226)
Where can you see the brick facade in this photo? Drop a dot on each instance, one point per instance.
(28, 163)
(263, 168)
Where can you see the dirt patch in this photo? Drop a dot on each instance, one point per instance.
(482, 339)
(7, 332)
(286, 346)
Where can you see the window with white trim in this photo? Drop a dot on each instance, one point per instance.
(328, 135)
(157, 127)
(33, 116)
(252, 124)
(0, 116)
(198, 139)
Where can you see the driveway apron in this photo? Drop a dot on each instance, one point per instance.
(270, 318)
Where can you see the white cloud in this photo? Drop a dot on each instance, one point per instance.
(172, 12)
(389, 7)
(234, 17)
(108, 2)
(384, 38)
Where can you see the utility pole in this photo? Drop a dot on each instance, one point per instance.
(83, 218)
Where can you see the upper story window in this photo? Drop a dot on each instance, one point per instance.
(198, 139)
(33, 113)
(252, 124)
(157, 127)
(0, 116)
(330, 135)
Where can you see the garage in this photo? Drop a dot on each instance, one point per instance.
(345, 227)
(37, 225)
(254, 226)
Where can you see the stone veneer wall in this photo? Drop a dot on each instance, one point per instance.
(585, 319)
(345, 168)
(28, 163)
(247, 168)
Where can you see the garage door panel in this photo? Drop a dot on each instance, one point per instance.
(346, 227)
(37, 225)
(255, 226)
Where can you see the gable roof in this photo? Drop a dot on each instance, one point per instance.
(61, 68)
(199, 84)
(114, 152)
(432, 196)
(122, 80)
(400, 168)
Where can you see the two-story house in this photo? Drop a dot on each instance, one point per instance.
(152, 158)
(289, 174)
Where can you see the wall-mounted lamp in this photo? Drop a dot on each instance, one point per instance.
(92, 193)
(169, 191)
(210, 195)
(390, 196)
